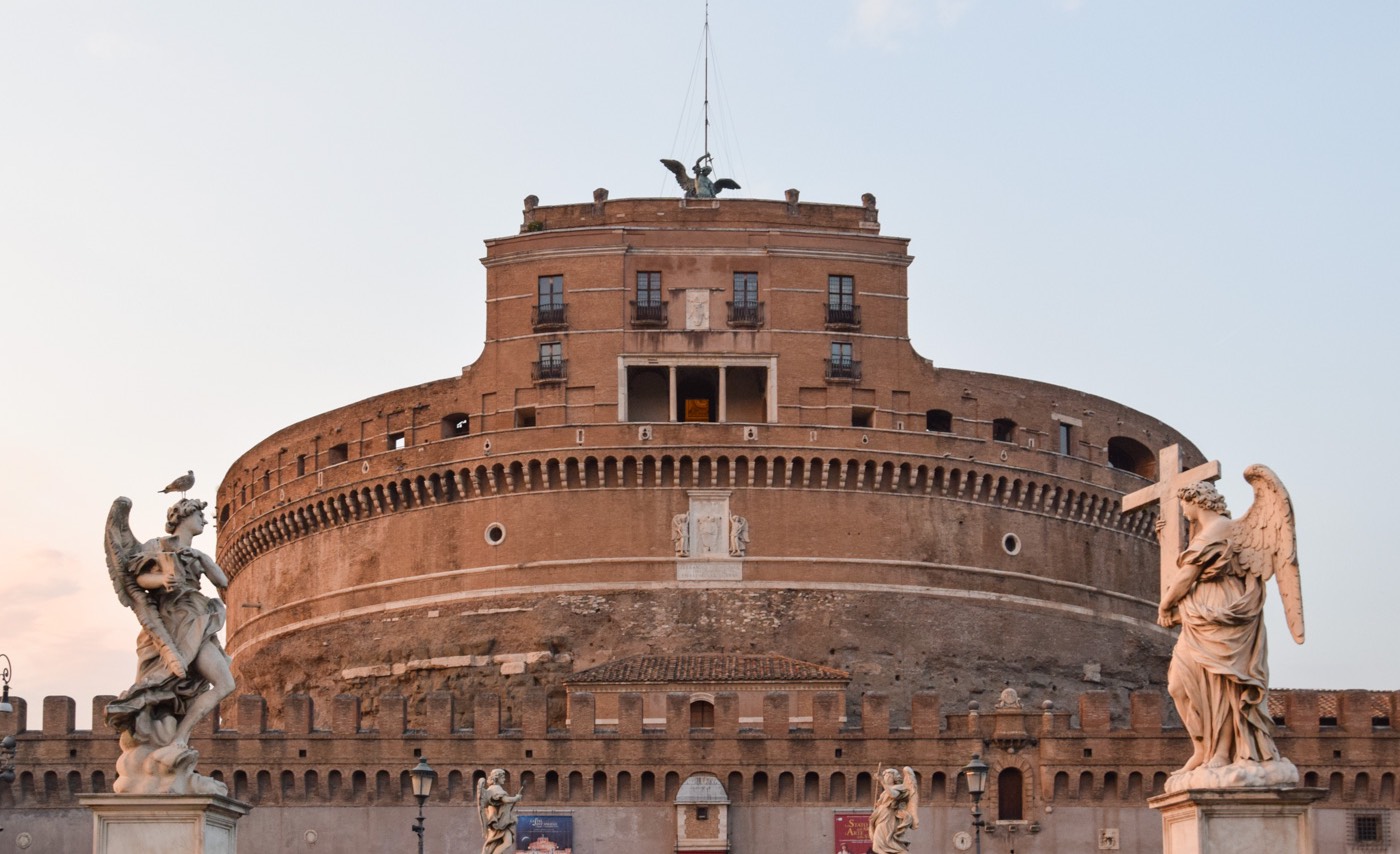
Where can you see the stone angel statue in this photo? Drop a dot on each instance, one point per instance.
(1219, 672)
(699, 187)
(896, 812)
(182, 672)
(496, 809)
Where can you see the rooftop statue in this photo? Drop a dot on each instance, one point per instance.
(182, 672)
(896, 812)
(699, 187)
(1219, 672)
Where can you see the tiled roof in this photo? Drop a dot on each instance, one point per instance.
(708, 667)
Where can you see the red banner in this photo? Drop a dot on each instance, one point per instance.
(852, 833)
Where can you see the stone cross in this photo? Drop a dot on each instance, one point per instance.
(1163, 492)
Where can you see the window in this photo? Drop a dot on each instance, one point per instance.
(301, 464)
(550, 309)
(648, 309)
(525, 416)
(745, 309)
(702, 715)
(337, 454)
(397, 441)
(1009, 795)
(702, 813)
(938, 421)
(1066, 439)
(1369, 830)
(1131, 455)
(841, 309)
(862, 416)
(841, 366)
(456, 424)
(551, 363)
(1003, 430)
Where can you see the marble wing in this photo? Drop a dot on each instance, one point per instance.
(912, 784)
(682, 176)
(481, 802)
(123, 550)
(1267, 543)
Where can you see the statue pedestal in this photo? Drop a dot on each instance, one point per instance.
(164, 824)
(1238, 821)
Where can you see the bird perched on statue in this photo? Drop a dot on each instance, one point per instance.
(182, 483)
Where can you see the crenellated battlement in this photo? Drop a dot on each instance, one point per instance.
(338, 753)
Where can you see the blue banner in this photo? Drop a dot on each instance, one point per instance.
(545, 834)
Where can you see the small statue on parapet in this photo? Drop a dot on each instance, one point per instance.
(896, 812)
(1214, 589)
(700, 187)
(496, 809)
(182, 672)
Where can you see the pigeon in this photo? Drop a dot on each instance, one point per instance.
(182, 483)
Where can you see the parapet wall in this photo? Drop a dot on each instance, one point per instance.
(341, 756)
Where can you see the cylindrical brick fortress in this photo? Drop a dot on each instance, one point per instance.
(698, 426)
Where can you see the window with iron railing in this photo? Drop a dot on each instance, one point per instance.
(648, 309)
(551, 363)
(745, 309)
(549, 310)
(841, 366)
(841, 308)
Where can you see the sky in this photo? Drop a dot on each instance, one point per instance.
(219, 219)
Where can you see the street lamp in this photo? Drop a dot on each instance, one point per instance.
(423, 776)
(976, 774)
(5, 704)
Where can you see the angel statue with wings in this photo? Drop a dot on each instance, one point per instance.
(1219, 672)
(896, 812)
(496, 809)
(182, 672)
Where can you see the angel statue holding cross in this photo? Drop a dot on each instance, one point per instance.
(1219, 672)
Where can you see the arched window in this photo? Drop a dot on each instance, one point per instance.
(702, 715)
(1009, 795)
(1132, 455)
(456, 424)
(1003, 430)
(938, 421)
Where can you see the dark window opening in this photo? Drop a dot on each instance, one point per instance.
(549, 311)
(702, 715)
(267, 480)
(938, 421)
(702, 813)
(525, 416)
(841, 308)
(1369, 830)
(1132, 455)
(1066, 439)
(1003, 430)
(301, 464)
(456, 424)
(337, 454)
(648, 394)
(1380, 721)
(697, 394)
(745, 309)
(397, 441)
(649, 309)
(223, 514)
(1327, 720)
(862, 416)
(746, 394)
(1009, 786)
(841, 366)
(550, 367)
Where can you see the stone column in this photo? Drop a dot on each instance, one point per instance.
(164, 824)
(1238, 821)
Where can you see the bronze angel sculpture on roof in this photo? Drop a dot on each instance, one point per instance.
(182, 672)
(700, 186)
(1219, 673)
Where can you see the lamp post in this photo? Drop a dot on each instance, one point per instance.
(5, 704)
(975, 773)
(423, 776)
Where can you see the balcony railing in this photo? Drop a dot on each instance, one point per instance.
(549, 370)
(649, 314)
(843, 316)
(549, 317)
(745, 314)
(842, 369)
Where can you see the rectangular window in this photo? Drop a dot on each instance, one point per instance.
(397, 441)
(551, 291)
(337, 454)
(648, 290)
(840, 354)
(745, 290)
(840, 292)
(841, 366)
(1066, 437)
(525, 416)
(301, 464)
(551, 363)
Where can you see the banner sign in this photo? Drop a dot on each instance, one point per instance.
(545, 834)
(852, 833)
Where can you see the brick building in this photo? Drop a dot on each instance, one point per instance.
(700, 511)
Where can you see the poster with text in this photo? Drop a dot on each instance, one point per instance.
(852, 833)
(546, 834)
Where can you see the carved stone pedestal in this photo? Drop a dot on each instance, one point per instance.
(164, 824)
(1237, 821)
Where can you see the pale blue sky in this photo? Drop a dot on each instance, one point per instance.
(217, 220)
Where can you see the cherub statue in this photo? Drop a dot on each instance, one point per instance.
(496, 809)
(699, 187)
(896, 812)
(1219, 673)
(182, 672)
